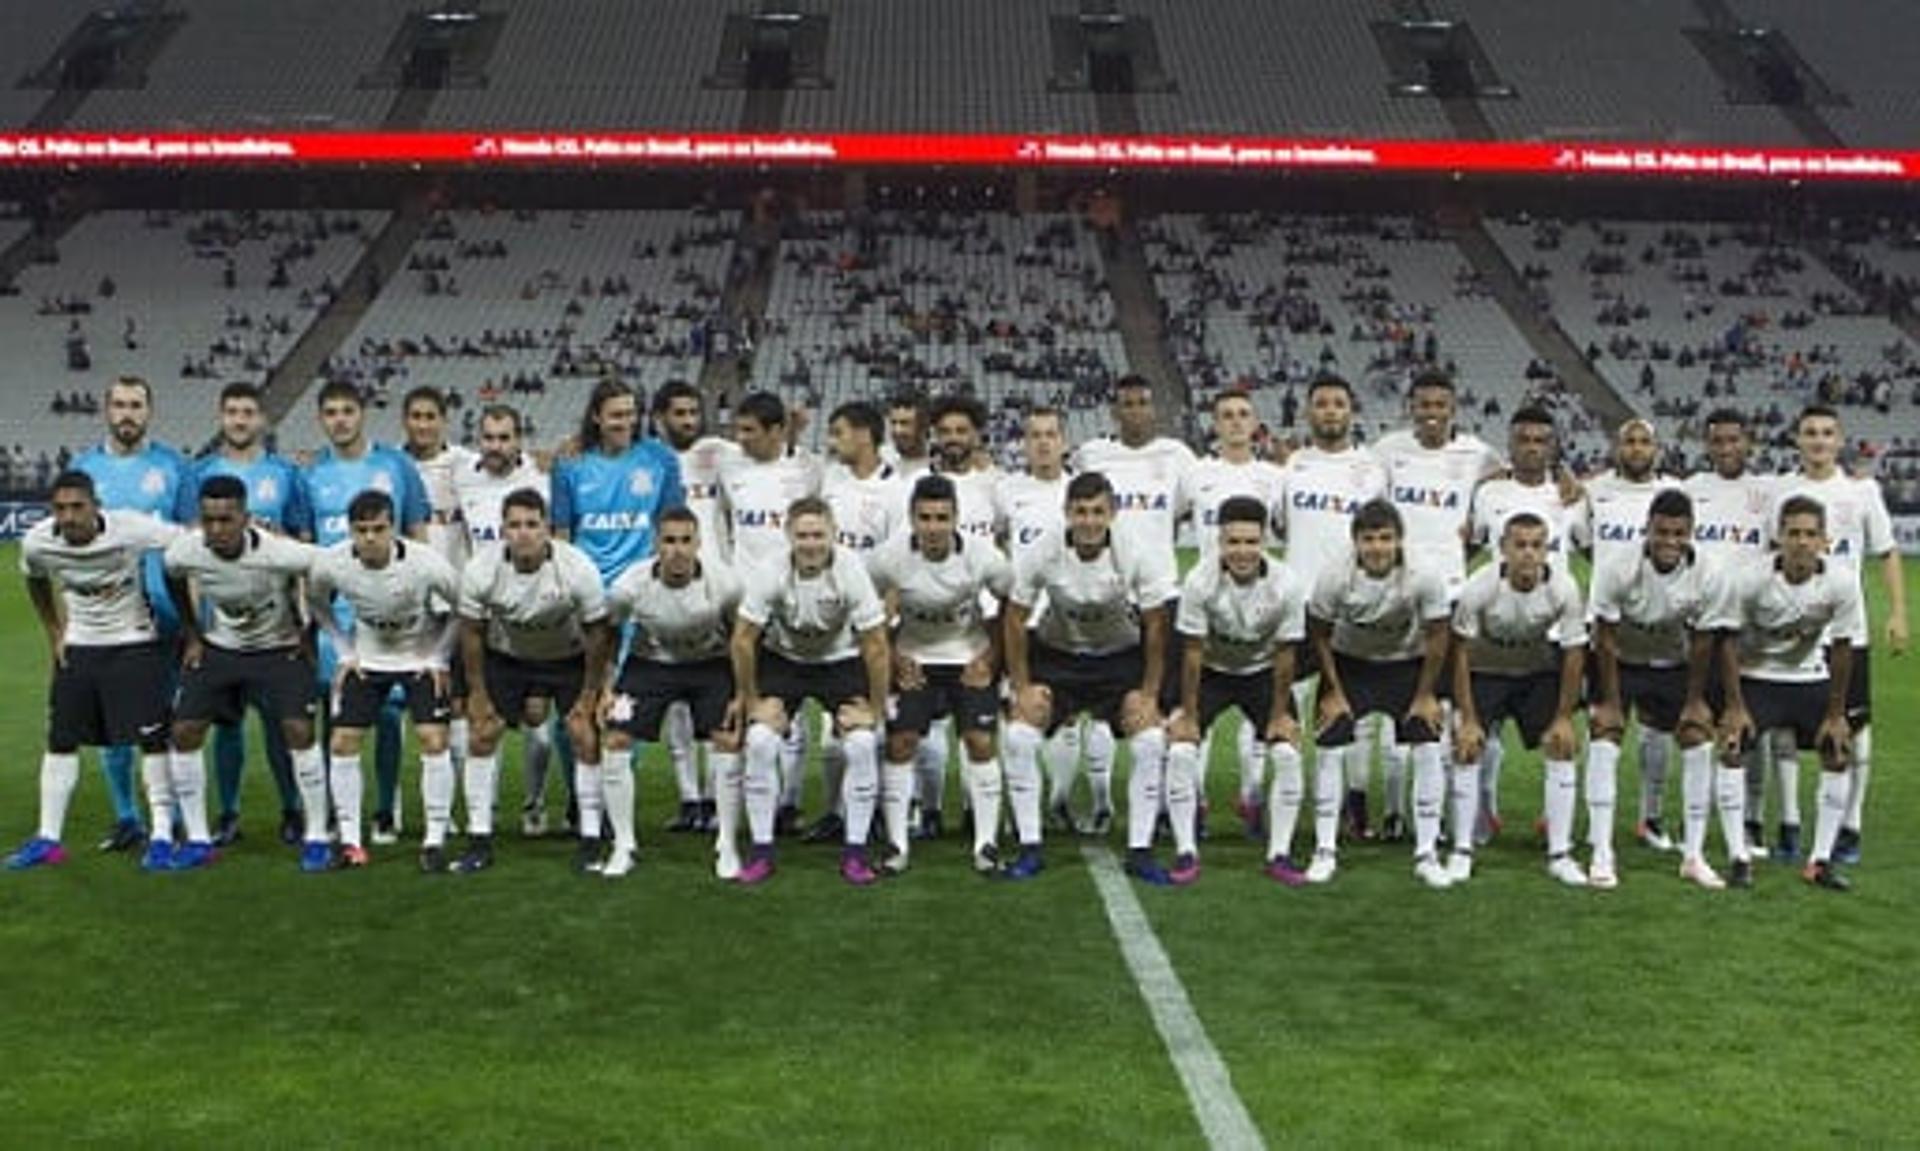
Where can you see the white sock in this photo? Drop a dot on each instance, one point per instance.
(1020, 751)
(1787, 769)
(1860, 773)
(482, 780)
(1730, 785)
(1100, 748)
(1758, 768)
(157, 774)
(1653, 773)
(537, 756)
(1283, 800)
(1603, 784)
(1466, 804)
(1063, 763)
(760, 781)
(59, 773)
(861, 790)
(896, 801)
(1561, 794)
(1696, 790)
(347, 786)
(1253, 769)
(1359, 758)
(930, 767)
(1328, 780)
(1492, 759)
(310, 772)
(793, 763)
(459, 734)
(1183, 794)
(983, 792)
(686, 762)
(726, 798)
(189, 770)
(436, 795)
(617, 791)
(1429, 796)
(1395, 756)
(1146, 786)
(833, 773)
(1833, 811)
(589, 791)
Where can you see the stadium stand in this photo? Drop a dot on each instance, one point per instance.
(34, 29)
(1859, 49)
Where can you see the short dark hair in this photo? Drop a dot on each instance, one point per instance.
(239, 390)
(1376, 515)
(908, 399)
(1727, 416)
(1431, 378)
(224, 487)
(527, 498)
(1670, 503)
(1132, 382)
(1815, 411)
(75, 480)
(1531, 414)
(809, 506)
(1329, 380)
(677, 514)
(1089, 486)
(1522, 520)
(425, 394)
(1225, 394)
(338, 390)
(1243, 510)
(866, 417)
(933, 488)
(763, 408)
(372, 504)
(974, 410)
(1803, 506)
(665, 394)
(131, 381)
(502, 412)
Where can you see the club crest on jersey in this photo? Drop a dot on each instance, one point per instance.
(381, 482)
(640, 483)
(1412, 495)
(153, 482)
(266, 490)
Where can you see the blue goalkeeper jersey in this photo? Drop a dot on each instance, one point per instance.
(331, 483)
(609, 505)
(276, 497)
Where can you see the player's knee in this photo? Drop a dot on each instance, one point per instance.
(854, 715)
(344, 742)
(979, 745)
(433, 740)
(1558, 746)
(727, 740)
(1138, 713)
(1690, 735)
(189, 734)
(902, 745)
(616, 739)
(770, 713)
(298, 733)
(1610, 732)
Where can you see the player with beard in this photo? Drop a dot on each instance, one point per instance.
(907, 435)
(1801, 622)
(1324, 483)
(680, 419)
(1519, 653)
(1379, 634)
(1100, 648)
(1242, 617)
(1200, 493)
(110, 678)
(132, 473)
(1858, 530)
(1731, 506)
(277, 501)
(1433, 470)
(1656, 623)
(811, 626)
(501, 469)
(1619, 500)
(253, 651)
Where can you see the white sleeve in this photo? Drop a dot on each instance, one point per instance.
(589, 597)
(1719, 600)
(1030, 572)
(1850, 621)
(1605, 606)
(996, 573)
(174, 559)
(1191, 619)
(1876, 524)
(471, 602)
(1466, 615)
(756, 604)
(1431, 589)
(149, 533)
(1293, 625)
(1154, 579)
(1323, 602)
(867, 611)
(1573, 613)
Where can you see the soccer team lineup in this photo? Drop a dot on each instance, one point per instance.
(661, 582)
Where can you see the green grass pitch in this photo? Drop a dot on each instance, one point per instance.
(255, 1006)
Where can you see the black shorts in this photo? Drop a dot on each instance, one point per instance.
(1386, 687)
(457, 679)
(511, 682)
(1095, 684)
(279, 683)
(1221, 691)
(1798, 707)
(1528, 700)
(973, 708)
(1655, 694)
(360, 698)
(647, 690)
(109, 696)
(1173, 662)
(1860, 690)
(793, 683)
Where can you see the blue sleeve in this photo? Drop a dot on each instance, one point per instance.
(187, 496)
(414, 509)
(296, 519)
(562, 509)
(672, 495)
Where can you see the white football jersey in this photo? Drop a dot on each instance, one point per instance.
(1654, 611)
(687, 624)
(254, 597)
(1858, 526)
(1511, 632)
(1241, 626)
(100, 588)
(1433, 490)
(1381, 620)
(1619, 509)
(977, 516)
(1321, 492)
(400, 612)
(866, 512)
(1213, 481)
(446, 532)
(701, 466)
(940, 604)
(1569, 526)
(814, 620)
(757, 496)
(907, 469)
(533, 615)
(1094, 606)
(1031, 508)
(1730, 517)
(481, 493)
(1144, 481)
(1785, 627)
